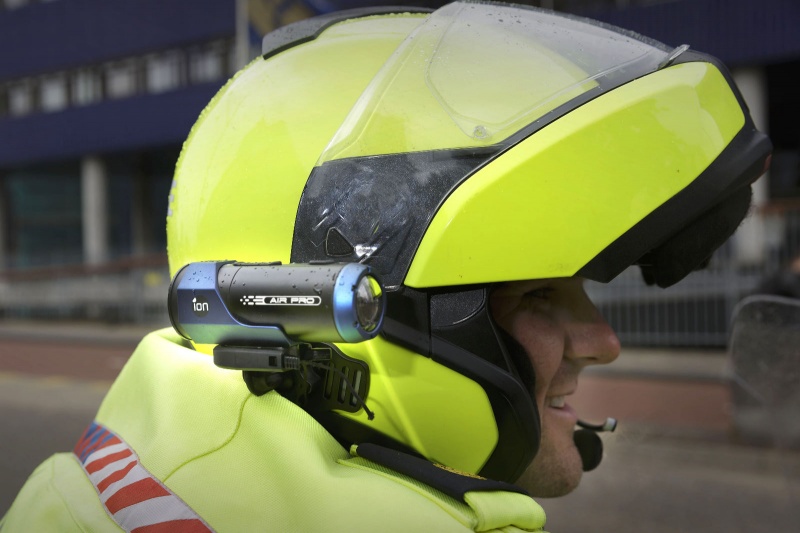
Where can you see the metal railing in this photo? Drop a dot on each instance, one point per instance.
(125, 290)
(695, 312)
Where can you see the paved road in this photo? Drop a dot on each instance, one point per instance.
(660, 484)
(671, 466)
(40, 416)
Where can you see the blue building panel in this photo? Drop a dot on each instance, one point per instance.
(739, 32)
(60, 35)
(66, 34)
(140, 122)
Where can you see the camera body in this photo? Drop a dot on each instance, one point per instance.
(270, 304)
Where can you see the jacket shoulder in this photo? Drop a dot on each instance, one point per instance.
(57, 497)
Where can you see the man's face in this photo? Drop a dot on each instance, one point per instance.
(562, 332)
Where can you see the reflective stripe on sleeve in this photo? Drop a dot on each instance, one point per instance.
(135, 499)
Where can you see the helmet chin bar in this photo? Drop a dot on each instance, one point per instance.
(455, 329)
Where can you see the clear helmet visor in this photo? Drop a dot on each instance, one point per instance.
(471, 75)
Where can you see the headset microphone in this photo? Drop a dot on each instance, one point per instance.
(589, 445)
(609, 425)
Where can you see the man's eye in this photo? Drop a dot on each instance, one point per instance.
(542, 293)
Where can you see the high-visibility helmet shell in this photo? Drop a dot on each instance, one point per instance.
(448, 148)
(476, 144)
(244, 166)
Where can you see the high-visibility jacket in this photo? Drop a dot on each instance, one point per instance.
(181, 445)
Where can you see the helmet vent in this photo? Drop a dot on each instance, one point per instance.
(336, 245)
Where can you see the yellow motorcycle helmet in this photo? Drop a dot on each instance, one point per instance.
(449, 151)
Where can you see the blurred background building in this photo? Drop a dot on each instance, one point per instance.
(96, 98)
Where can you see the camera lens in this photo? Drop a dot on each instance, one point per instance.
(368, 303)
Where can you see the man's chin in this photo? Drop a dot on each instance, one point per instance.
(553, 473)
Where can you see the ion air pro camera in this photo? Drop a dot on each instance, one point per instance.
(253, 304)
(269, 318)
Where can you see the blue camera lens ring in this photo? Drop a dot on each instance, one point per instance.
(345, 314)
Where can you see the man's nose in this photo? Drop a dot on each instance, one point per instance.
(590, 339)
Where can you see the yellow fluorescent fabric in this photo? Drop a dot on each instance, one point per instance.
(151, 427)
(242, 462)
(483, 510)
(58, 496)
(442, 414)
(576, 185)
(243, 168)
(495, 509)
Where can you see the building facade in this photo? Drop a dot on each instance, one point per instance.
(96, 98)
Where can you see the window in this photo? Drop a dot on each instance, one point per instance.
(87, 87)
(13, 4)
(121, 79)
(207, 63)
(3, 100)
(20, 98)
(164, 72)
(53, 93)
